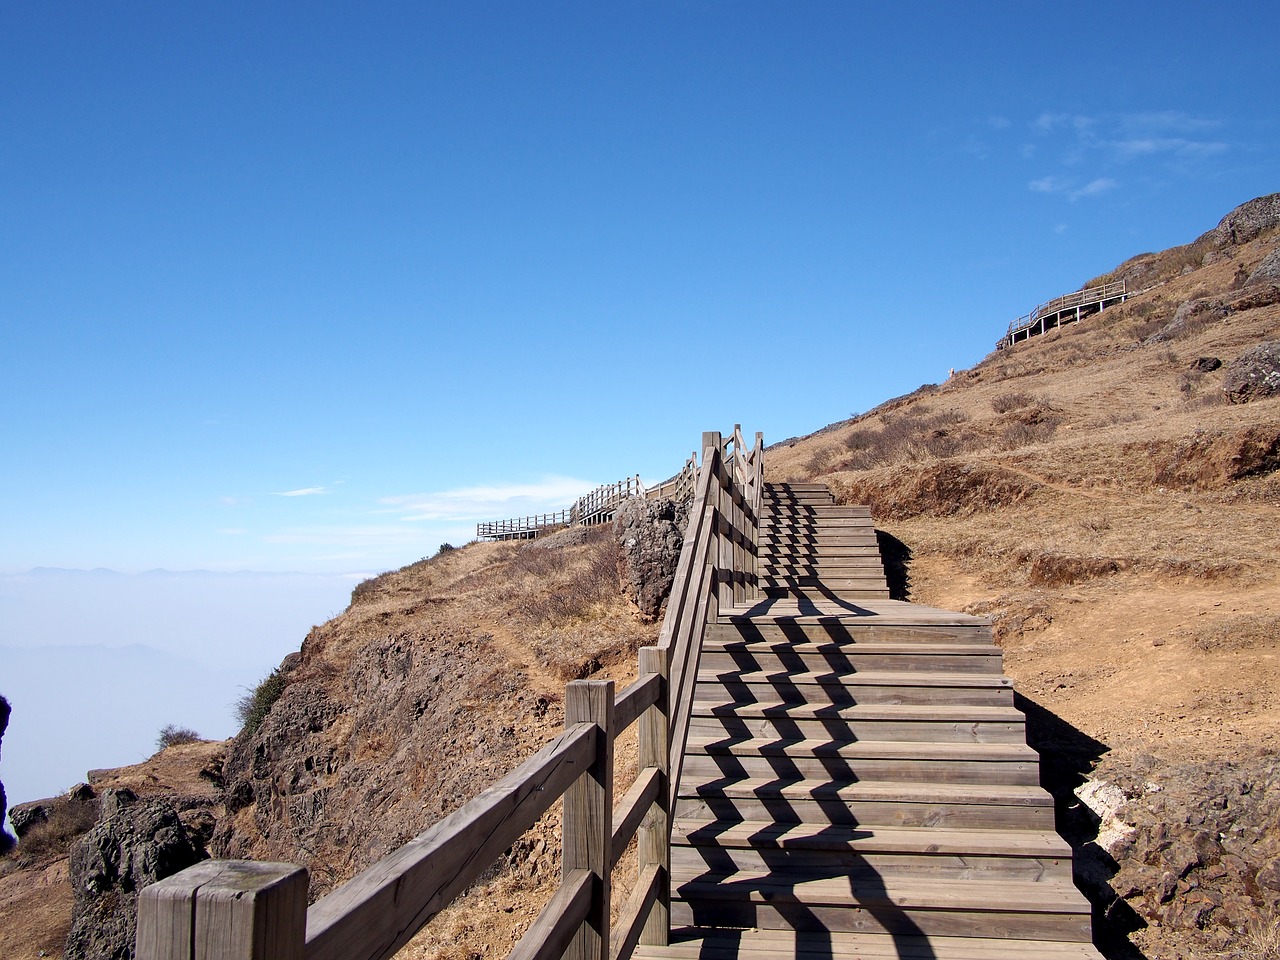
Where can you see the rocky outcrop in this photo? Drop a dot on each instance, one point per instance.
(1193, 849)
(6, 841)
(1254, 374)
(135, 843)
(651, 533)
(1267, 271)
(1249, 220)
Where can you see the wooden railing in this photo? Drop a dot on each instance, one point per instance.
(1077, 302)
(588, 510)
(244, 910)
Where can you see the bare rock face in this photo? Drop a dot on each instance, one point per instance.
(6, 841)
(1249, 220)
(651, 533)
(1254, 374)
(136, 843)
(1268, 271)
(1194, 849)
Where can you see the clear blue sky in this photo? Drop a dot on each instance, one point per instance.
(315, 286)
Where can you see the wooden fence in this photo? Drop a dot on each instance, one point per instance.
(591, 508)
(245, 910)
(1064, 309)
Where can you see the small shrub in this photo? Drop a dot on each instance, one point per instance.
(68, 819)
(445, 548)
(1011, 401)
(253, 707)
(1262, 938)
(171, 735)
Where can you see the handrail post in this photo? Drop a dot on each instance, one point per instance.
(654, 844)
(225, 910)
(588, 815)
(713, 440)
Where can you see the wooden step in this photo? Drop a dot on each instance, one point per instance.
(807, 553)
(816, 512)
(728, 758)
(873, 721)
(869, 803)
(847, 630)
(818, 657)
(827, 687)
(694, 943)
(832, 584)
(818, 563)
(1031, 855)
(1050, 910)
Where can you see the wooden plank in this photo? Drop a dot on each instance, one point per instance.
(632, 809)
(633, 701)
(549, 935)
(634, 916)
(588, 816)
(377, 912)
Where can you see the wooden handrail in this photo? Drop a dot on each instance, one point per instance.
(240, 910)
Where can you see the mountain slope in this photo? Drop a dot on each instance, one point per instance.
(1094, 492)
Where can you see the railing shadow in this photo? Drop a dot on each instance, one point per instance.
(1067, 754)
(896, 556)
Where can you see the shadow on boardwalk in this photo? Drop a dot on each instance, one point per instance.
(896, 556)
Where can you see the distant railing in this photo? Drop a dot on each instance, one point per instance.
(1064, 309)
(595, 507)
(243, 910)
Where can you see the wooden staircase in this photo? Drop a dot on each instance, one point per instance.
(856, 780)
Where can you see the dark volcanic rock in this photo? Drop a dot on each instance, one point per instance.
(1254, 374)
(1193, 849)
(651, 533)
(24, 816)
(1205, 364)
(135, 844)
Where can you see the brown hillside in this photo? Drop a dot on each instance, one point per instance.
(1098, 497)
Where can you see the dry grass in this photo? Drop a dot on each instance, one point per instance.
(1261, 939)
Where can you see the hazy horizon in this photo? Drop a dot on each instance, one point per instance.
(95, 663)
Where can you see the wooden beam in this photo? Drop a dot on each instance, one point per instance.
(549, 935)
(632, 809)
(376, 913)
(633, 701)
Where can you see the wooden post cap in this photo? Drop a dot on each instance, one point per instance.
(225, 910)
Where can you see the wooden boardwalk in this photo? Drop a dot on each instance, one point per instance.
(822, 772)
(857, 781)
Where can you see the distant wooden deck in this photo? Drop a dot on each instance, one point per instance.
(1068, 308)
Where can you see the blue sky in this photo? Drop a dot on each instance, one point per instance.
(316, 286)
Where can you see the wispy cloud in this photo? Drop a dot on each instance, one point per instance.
(1049, 184)
(303, 492)
(1093, 188)
(1071, 188)
(489, 502)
